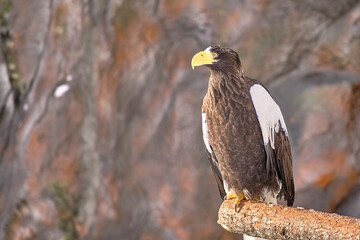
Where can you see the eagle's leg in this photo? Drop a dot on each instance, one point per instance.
(230, 196)
(239, 198)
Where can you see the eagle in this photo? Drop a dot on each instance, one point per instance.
(244, 132)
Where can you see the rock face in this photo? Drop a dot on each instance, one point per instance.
(100, 122)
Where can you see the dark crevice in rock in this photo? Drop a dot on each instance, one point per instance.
(304, 45)
(3, 105)
(42, 52)
(7, 139)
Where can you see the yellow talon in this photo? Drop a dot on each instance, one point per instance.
(239, 198)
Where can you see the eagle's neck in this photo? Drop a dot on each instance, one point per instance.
(224, 85)
(220, 78)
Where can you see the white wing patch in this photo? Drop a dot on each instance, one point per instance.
(205, 131)
(268, 114)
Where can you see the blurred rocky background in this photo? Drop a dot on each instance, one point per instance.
(100, 125)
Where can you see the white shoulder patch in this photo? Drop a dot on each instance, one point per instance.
(205, 131)
(268, 114)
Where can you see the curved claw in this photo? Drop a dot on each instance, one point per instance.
(237, 202)
(239, 198)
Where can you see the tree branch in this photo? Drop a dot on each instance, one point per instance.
(279, 222)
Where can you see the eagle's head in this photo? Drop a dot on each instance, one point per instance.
(217, 58)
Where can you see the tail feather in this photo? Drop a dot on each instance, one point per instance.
(246, 237)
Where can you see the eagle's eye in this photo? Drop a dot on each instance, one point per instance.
(214, 55)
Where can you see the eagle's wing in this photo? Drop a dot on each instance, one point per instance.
(212, 158)
(275, 137)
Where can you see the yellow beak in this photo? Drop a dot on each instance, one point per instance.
(202, 58)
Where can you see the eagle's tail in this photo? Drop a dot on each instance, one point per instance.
(246, 237)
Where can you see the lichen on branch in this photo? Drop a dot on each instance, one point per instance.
(279, 222)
